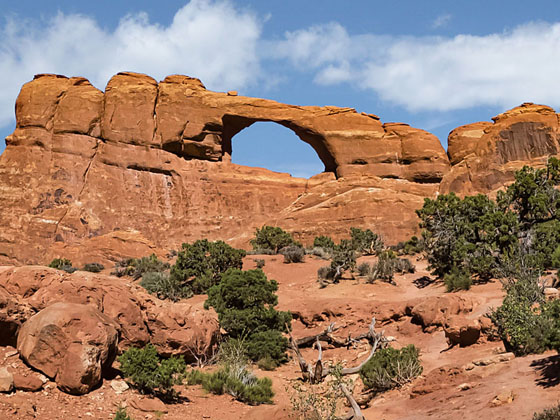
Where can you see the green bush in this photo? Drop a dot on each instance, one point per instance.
(548, 414)
(365, 241)
(259, 263)
(268, 348)
(271, 238)
(243, 385)
(62, 264)
(121, 414)
(244, 301)
(390, 368)
(202, 263)
(93, 267)
(324, 242)
(323, 253)
(343, 258)
(165, 286)
(293, 254)
(404, 265)
(457, 280)
(413, 246)
(325, 273)
(149, 373)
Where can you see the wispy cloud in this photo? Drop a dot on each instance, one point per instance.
(434, 73)
(211, 40)
(441, 21)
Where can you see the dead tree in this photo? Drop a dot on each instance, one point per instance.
(316, 373)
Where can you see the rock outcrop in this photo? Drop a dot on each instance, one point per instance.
(485, 155)
(153, 160)
(175, 329)
(70, 343)
(145, 166)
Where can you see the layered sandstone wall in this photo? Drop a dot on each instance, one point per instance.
(145, 166)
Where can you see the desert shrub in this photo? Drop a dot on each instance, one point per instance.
(552, 413)
(244, 301)
(385, 267)
(413, 246)
(404, 265)
(271, 238)
(136, 267)
(457, 280)
(62, 264)
(165, 286)
(324, 242)
(243, 385)
(293, 254)
(93, 267)
(320, 401)
(200, 265)
(121, 414)
(268, 348)
(259, 263)
(325, 273)
(390, 368)
(363, 269)
(343, 258)
(323, 253)
(469, 234)
(150, 374)
(365, 241)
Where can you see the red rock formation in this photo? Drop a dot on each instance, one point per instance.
(486, 155)
(151, 161)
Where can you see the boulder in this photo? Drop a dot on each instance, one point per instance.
(6, 380)
(434, 311)
(31, 382)
(461, 330)
(70, 343)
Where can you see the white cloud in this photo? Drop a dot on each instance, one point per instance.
(435, 73)
(441, 21)
(211, 40)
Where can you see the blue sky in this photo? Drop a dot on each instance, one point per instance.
(433, 64)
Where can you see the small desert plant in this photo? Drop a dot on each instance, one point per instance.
(136, 267)
(93, 267)
(552, 413)
(164, 286)
(343, 258)
(271, 238)
(121, 414)
(385, 267)
(364, 269)
(365, 241)
(259, 262)
(324, 242)
(410, 247)
(62, 264)
(404, 265)
(457, 280)
(150, 374)
(390, 368)
(293, 254)
(319, 401)
(325, 273)
(323, 253)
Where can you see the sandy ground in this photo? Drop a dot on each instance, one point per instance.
(449, 388)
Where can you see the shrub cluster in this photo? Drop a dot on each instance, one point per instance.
(165, 286)
(390, 368)
(62, 264)
(121, 414)
(552, 413)
(324, 242)
(271, 239)
(244, 301)
(200, 265)
(413, 246)
(293, 254)
(137, 267)
(93, 267)
(150, 374)
(365, 241)
(475, 235)
(385, 268)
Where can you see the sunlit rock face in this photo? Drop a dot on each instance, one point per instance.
(145, 166)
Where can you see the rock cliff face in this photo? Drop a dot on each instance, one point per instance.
(485, 155)
(145, 166)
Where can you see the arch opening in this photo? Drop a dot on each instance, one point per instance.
(279, 146)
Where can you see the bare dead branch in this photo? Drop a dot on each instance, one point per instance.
(356, 413)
